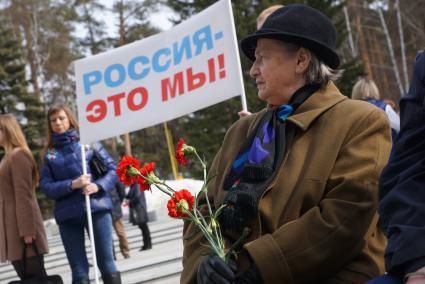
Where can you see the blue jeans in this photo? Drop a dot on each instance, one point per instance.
(72, 234)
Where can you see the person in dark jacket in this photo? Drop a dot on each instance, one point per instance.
(139, 214)
(63, 181)
(402, 206)
(402, 183)
(117, 194)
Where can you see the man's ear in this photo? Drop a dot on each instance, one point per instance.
(303, 60)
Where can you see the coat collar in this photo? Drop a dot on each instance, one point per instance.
(66, 138)
(315, 105)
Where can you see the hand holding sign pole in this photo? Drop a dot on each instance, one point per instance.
(89, 218)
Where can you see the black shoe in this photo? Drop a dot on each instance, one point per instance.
(145, 247)
(112, 278)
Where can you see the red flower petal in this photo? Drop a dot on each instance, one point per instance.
(122, 167)
(173, 204)
(145, 171)
(180, 157)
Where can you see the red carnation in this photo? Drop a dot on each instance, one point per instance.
(127, 170)
(181, 158)
(147, 172)
(181, 202)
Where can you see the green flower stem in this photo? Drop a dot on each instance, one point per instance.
(205, 190)
(217, 236)
(216, 244)
(198, 215)
(204, 166)
(158, 185)
(163, 190)
(245, 233)
(167, 186)
(219, 246)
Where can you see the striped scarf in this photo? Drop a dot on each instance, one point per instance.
(256, 164)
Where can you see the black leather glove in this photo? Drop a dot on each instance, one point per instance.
(213, 270)
(250, 276)
(241, 206)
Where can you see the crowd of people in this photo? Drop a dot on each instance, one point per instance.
(329, 186)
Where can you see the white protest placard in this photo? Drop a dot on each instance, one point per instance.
(189, 67)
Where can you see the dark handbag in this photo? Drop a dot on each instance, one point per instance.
(98, 169)
(44, 279)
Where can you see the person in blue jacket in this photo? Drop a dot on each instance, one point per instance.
(402, 189)
(62, 180)
(366, 90)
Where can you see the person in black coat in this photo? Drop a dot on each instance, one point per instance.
(139, 214)
(117, 195)
(402, 189)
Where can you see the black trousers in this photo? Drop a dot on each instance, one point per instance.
(146, 234)
(34, 267)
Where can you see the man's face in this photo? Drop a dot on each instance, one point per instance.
(274, 71)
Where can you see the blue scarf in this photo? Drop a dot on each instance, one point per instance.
(256, 164)
(66, 138)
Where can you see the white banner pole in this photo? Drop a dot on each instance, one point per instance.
(89, 219)
(243, 97)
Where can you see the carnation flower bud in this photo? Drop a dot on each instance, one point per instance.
(132, 171)
(188, 149)
(152, 178)
(213, 223)
(183, 206)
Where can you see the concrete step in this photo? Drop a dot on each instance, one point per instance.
(161, 264)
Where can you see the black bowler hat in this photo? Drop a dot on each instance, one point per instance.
(298, 24)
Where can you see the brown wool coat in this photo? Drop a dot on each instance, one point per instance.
(317, 219)
(19, 212)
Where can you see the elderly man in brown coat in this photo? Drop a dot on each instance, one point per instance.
(305, 177)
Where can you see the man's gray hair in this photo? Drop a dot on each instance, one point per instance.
(317, 71)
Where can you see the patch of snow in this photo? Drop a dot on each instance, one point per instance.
(157, 200)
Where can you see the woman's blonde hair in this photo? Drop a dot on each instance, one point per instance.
(365, 89)
(14, 138)
(73, 123)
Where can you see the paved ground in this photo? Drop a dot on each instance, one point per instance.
(160, 265)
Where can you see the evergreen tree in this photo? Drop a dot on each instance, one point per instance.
(15, 99)
(95, 39)
(12, 72)
(205, 129)
(133, 22)
(43, 28)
